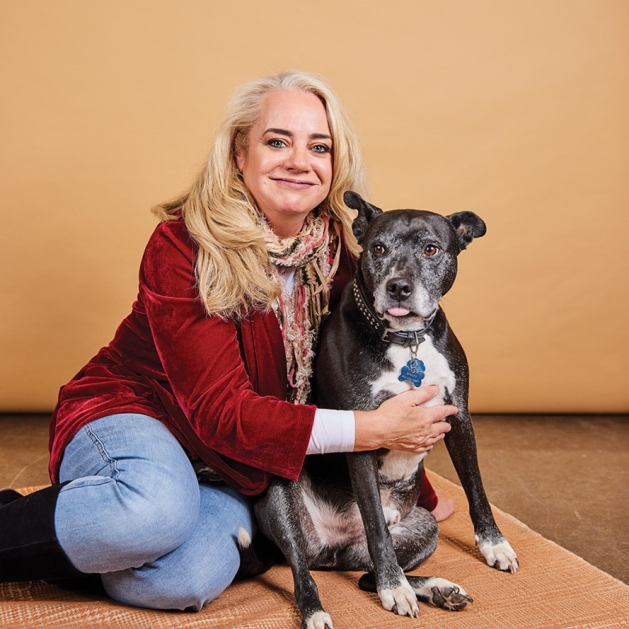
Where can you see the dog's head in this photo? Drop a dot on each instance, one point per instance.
(409, 258)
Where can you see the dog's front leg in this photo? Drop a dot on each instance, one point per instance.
(393, 588)
(461, 445)
(278, 514)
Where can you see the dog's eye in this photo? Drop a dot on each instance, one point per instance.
(430, 250)
(378, 249)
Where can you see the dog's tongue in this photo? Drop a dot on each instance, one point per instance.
(398, 312)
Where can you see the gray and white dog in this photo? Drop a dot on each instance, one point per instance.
(358, 511)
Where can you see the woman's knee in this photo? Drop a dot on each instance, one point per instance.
(161, 519)
(133, 493)
(201, 568)
(106, 525)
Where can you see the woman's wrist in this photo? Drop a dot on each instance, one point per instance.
(367, 432)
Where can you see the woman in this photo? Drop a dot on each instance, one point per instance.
(212, 368)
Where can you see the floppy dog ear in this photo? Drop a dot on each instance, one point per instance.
(366, 213)
(467, 226)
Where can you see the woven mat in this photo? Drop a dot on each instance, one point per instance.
(552, 589)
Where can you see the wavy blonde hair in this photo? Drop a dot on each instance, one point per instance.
(221, 215)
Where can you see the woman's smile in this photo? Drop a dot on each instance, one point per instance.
(295, 184)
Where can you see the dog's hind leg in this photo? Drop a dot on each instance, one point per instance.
(440, 592)
(257, 555)
(433, 590)
(278, 514)
(414, 540)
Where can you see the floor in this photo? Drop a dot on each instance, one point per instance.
(566, 477)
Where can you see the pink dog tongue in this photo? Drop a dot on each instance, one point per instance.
(398, 312)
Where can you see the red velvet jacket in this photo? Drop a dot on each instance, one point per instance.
(219, 387)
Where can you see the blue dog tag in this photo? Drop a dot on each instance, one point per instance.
(413, 372)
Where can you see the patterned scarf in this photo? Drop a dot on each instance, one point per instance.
(314, 255)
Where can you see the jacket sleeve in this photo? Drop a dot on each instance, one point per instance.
(204, 364)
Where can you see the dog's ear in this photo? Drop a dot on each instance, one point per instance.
(366, 213)
(467, 226)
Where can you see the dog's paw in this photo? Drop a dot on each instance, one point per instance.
(391, 515)
(440, 592)
(400, 600)
(318, 620)
(499, 555)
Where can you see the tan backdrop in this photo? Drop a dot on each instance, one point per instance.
(518, 111)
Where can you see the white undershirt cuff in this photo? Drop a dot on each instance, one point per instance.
(332, 431)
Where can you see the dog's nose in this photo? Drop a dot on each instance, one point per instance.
(399, 288)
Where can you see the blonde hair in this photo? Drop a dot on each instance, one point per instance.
(221, 215)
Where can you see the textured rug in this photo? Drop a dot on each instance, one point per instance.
(552, 589)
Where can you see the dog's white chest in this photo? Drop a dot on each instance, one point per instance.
(399, 465)
(436, 367)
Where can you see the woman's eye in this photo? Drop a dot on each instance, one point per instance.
(321, 148)
(430, 250)
(276, 143)
(378, 250)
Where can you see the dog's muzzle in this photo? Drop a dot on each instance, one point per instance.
(406, 338)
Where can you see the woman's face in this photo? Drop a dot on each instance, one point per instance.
(287, 165)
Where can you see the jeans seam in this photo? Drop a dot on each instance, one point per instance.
(100, 446)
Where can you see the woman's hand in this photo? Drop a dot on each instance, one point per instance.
(401, 423)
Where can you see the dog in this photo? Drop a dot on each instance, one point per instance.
(358, 511)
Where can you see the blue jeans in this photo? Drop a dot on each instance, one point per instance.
(136, 514)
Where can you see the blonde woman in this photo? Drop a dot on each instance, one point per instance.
(212, 367)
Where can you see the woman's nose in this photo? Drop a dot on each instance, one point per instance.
(298, 158)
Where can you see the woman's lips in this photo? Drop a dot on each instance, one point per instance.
(294, 184)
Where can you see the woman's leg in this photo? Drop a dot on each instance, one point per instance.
(201, 568)
(132, 494)
(29, 549)
(429, 499)
(158, 538)
(129, 496)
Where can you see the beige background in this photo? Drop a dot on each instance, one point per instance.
(516, 110)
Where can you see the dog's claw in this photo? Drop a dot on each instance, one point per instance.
(512, 567)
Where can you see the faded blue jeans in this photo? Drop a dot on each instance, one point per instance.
(136, 514)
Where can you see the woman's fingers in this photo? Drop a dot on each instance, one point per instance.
(417, 397)
(403, 422)
(421, 395)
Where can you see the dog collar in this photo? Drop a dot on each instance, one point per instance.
(405, 338)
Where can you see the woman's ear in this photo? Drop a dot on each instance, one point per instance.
(240, 159)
